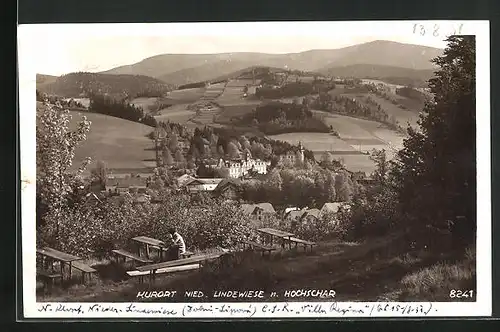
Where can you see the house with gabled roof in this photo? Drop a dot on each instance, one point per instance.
(202, 184)
(230, 189)
(294, 217)
(184, 179)
(258, 211)
(310, 215)
(333, 207)
(126, 184)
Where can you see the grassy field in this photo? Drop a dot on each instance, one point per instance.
(239, 83)
(402, 116)
(361, 131)
(144, 102)
(120, 143)
(235, 110)
(184, 96)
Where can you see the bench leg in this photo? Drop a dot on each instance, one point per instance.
(62, 270)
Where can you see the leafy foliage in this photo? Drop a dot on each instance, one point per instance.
(436, 169)
(55, 147)
(306, 186)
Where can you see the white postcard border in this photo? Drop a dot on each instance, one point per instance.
(28, 36)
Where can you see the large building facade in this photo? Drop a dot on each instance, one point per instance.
(242, 167)
(293, 155)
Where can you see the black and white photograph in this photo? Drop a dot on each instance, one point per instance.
(266, 169)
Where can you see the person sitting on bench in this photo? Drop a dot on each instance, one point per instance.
(178, 246)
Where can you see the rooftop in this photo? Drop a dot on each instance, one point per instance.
(204, 181)
(250, 208)
(312, 212)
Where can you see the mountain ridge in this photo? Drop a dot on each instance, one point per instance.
(169, 67)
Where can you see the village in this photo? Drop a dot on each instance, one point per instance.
(135, 186)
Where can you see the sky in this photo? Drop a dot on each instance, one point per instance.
(97, 47)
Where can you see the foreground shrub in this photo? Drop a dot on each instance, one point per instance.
(436, 282)
(320, 229)
(94, 228)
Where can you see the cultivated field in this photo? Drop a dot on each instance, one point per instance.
(177, 113)
(239, 83)
(119, 143)
(339, 89)
(402, 116)
(316, 141)
(231, 95)
(206, 117)
(357, 136)
(291, 100)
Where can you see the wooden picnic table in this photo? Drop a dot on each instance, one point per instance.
(275, 232)
(58, 256)
(148, 241)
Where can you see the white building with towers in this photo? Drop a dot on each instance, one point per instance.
(294, 155)
(241, 167)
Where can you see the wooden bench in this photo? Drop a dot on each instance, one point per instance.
(48, 275)
(85, 269)
(200, 260)
(258, 246)
(302, 242)
(142, 274)
(125, 254)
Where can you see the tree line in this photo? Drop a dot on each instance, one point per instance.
(353, 107)
(276, 118)
(85, 84)
(121, 109)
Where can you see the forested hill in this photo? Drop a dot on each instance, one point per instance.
(81, 84)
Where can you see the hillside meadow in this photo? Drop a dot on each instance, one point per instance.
(119, 143)
(177, 113)
(315, 141)
(144, 102)
(184, 96)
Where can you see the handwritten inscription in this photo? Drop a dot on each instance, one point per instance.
(437, 30)
(247, 310)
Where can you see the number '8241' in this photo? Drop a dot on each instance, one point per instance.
(461, 294)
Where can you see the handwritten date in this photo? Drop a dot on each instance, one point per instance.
(437, 30)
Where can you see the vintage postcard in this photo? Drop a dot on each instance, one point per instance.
(255, 170)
